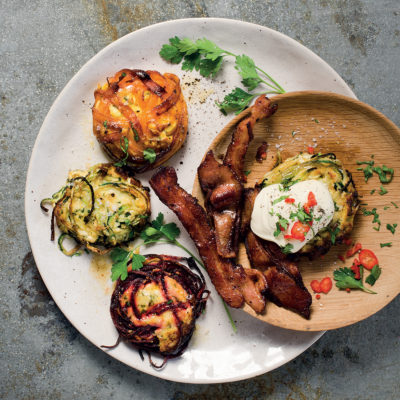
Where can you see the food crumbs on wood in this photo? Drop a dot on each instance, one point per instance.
(262, 152)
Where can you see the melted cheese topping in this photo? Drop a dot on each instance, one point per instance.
(273, 217)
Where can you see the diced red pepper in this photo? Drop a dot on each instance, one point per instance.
(368, 259)
(355, 249)
(318, 296)
(315, 286)
(289, 200)
(281, 228)
(310, 150)
(341, 258)
(326, 285)
(299, 230)
(312, 201)
(356, 269)
(348, 290)
(322, 287)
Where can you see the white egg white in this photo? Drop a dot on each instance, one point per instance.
(270, 206)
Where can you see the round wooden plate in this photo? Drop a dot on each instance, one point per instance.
(353, 131)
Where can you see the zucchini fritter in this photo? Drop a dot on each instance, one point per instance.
(146, 108)
(102, 206)
(329, 170)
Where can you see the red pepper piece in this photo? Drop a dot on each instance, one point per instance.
(281, 228)
(356, 269)
(341, 258)
(355, 249)
(318, 296)
(289, 200)
(368, 259)
(310, 150)
(311, 201)
(326, 285)
(348, 290)
(306, 208)
(315, 286)
(299, 230)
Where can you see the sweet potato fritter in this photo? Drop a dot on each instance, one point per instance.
(146, 108)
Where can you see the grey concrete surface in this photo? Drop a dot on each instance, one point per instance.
(43, 44)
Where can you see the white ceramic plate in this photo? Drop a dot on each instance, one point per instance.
(65, 142)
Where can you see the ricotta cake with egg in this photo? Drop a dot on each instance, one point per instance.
(306, 204)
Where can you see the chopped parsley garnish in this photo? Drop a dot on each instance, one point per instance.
(279, 199)
(386, 207)
(149, 155)
(372, 191)
(388, 244)
(385, 174)
(287, 249)
(301, 215)
(391, 228)
(334, 233)
(282, 223)
(247, 173)
(368, 173)
(376, 217)
(382, 191)
(374, 275)
(105, 124)
(135, 133)
(395, 205)
(124, 147)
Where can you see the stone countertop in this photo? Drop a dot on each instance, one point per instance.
(43, 44)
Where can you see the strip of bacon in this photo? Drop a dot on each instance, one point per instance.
(237, 149)
(232, 282)
(223, 193)
(285, 284)
(222, 184)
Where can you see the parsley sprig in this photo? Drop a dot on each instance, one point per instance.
(345, 279)
(157, 232)
(205, 56)
(124, 147)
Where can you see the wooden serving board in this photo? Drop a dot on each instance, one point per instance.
(353, 131)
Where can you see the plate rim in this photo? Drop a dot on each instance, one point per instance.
(309, 53)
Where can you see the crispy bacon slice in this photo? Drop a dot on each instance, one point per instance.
(249, 196)
(234, 157)
(223, 193)
(284, 293)
(193, 217)
(285, 284)
(222, 184)
(232, 282)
